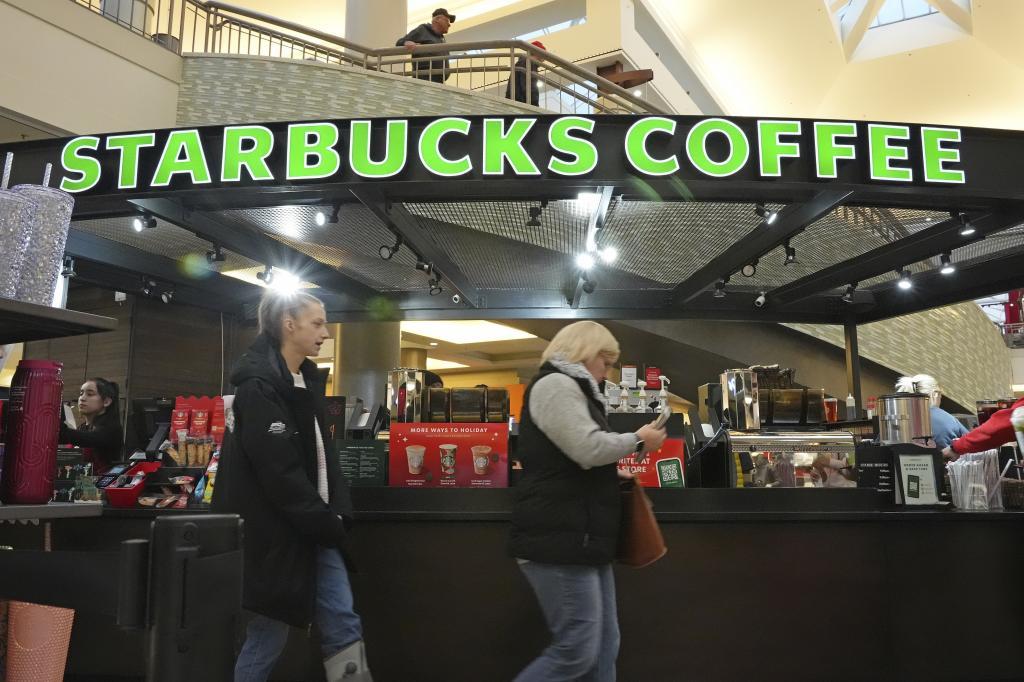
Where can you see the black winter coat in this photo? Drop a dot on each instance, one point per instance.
(562, 513)
(268, 473)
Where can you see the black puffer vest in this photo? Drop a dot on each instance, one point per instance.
(563, 514)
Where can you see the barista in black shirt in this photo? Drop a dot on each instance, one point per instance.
(100, 435)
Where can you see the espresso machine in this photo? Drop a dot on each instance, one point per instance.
(728, 448)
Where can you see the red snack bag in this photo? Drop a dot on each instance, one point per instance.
(179, 422)
(200, 424)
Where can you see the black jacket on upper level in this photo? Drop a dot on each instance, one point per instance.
(562, 513)
(424, 34)
(268, 475)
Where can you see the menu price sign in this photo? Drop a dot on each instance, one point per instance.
(918, 480)
(448, 455)
(660, 469)
(364, 462)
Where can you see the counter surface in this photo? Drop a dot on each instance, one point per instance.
(694, 505)
(53, 510)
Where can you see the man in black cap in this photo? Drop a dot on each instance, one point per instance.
(429, 34)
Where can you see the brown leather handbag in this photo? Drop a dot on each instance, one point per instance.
(640, 539)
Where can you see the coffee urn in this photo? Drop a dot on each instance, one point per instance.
(904, 418)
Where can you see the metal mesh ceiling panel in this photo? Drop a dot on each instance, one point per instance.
(563, 224)
(845, 233)
(351, 245)
(1005, 243)
(669, 241)
(490, 261)
(166, 239)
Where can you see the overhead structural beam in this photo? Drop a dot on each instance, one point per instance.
(259, 247)
(594, 225)
(791, 220)
(933, 290)
(937, 239)
(407, 226)
(84, 246)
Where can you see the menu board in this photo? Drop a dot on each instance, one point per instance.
(661, 469)
(448, 455)
(364, 462)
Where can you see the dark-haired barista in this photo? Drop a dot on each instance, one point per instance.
(99, 435)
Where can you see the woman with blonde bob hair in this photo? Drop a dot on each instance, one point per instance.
(565, 518)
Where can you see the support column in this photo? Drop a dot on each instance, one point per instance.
(853, 363)
(376, 24)
(414, 357)
(368, 351)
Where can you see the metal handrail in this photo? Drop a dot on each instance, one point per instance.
(213, 27)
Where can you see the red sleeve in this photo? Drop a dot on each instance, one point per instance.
(995, 432)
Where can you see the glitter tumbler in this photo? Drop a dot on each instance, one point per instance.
(47, 238)
(16, 216)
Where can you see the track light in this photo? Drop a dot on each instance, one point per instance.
(387, 252)
(966, 226)
(608, 254)
(585, 261)
(904, 281)
(720, 289)
(589, 284)
(215, 255)
(790, 254)
(947, 265)
(534, 220)
(143, 222)
(167, 296)
(69, 268)
(435, 286)
(848, 296)
(148, 287)
(425, 267)
(766, 215)
(324, 218)
(266, 275)
(749, 270)
(761, 300)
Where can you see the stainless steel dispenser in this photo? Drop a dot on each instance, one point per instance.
(904, 418)
(405, 394)
(740, 399)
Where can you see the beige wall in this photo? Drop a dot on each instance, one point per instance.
(785, 59)
(226, 89)
(958, 344)
(77, 71)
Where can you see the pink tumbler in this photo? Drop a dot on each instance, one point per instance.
(33, 421)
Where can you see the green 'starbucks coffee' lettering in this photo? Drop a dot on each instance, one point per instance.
(827, 151)
(772, 149)
(311, 152)
(583, 152)
(87, 168)
(396, 144)
(881, 152)
(246, 147)
(128, 173)
(937, 151)
(636, 146)
(501, 145)
(692, 148)
(430, 148)
(183, 153)
(696, 148)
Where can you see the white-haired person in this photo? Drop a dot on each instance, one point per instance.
(945, 427)
(566, 513)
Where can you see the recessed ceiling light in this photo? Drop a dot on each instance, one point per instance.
(433, 343)
(465, 331)
(433, 364)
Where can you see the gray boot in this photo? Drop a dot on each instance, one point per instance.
(348, 665)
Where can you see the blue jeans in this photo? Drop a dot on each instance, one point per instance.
(579, 606)
(339, 624)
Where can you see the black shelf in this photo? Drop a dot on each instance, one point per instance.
(21, 321)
